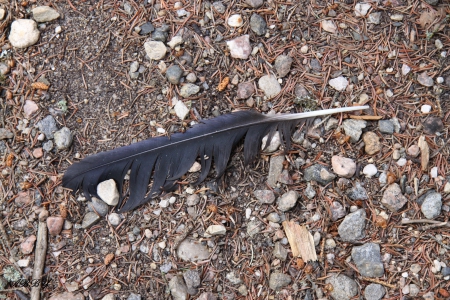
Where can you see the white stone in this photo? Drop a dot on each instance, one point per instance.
(361, 9)
(2, 13)
(270, 85)
(155, 50)
(338, 83)
(44, 14)
(195, 167)
(397, 17)
(447, 188)
(440, 79)
(162, 245)
(235, 20)
(389, 93)
(370, 170)
(425, 108)
(438, 44)
(175, 41)
(240, 47)
(216, 230)
(274, 143)
(181, 110)
(24, 33)
(304, 49)
(434, 172)
(23, 263)
(164, 203)
(405, 69)
(329, 26)
(107, 191)
(401, 162)
(248, 213)
(58, 29)
(114, 219)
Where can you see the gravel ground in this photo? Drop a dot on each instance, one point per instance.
(357, 208)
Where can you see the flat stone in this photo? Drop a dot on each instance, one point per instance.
(181, 110)
(352, 228)
(270, 86)
(254, 3)
(343, 166)
(245, 90)
(192, 200)
(192, 280)
(63, 138)
(219, 7)
(358, 192)
(283, 65)
(90, 219)
(174, 73)
(425, 80)
(344, 287)
(431, 206)
(240, 47)
(328, 26)
(55, 225)
(155, 50)
(372, 143)
(215, 230)
(275, 143)
(258, 25)
(367, 259)
(374, 291)
(29, 108)
(175, 41)
(146, 28)
(107, 191)
(278, 281)
(287, 201)
(253, 227)
(22, 199)
(339, 83)
(2, 14)
(386, 126)
(361, 9)
(98, 206)
(188, 90)
(264, 196)
(47, 126)
(393, 198)
(433, 124)
(280, 252)
(192, 251)
(24, 33)
(337, 211)
(28, 244)
(44, 14)
(178, 288)
(318, 173)
(207, 296)
(353, 128)
(275, 169)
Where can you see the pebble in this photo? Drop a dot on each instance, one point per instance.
(5, 134)
(245, 90)
(415, 268)
(47, 146)
(193, 200)
(402, 162)
(431, 206)
(280, 252)
(405, 69)
(114, 219)
(181, 110)
(264, 196)
(173, 74)
(134, 67)
(47, 126)
(219, 7)
(440, 80)
(22, 199)
(164, 203)
(63, 138)
(134, 297)
(215, 230)
(107, 191)
(309, 192)
(279, 280)
(109, 296)
(175, 41)
(353, 128)
(344, 287)
(231, 276)
(67, 296)
(304, 49)
(370, 170)
(397, 17)
(240, 47)
(361, 9)
(374, 291)
(425, 108)
(191, 78)
(283, 65)
(358, 192)
(424, 79)
(255, 3)
(192, 280)
(275, 169)
(372, 143)
(24, 33)
(339, 83)
(192, 251)
(337, 211)
(44, 14)
(352, 227)
(98, 206)
(343, 166)
(28, 244)
(58, 29)
(413, 290)
(367, 259)
(287, 201)
(235, 21)
(188, 90)
(178, 288)
(413, 151)
(4, 69)
(275, 143)
(253, 227)
(374, 18)
(432, 125)
(55, 225)
(447, 188)
(328, 26)
(89, 219)
(318, 173)
(146, 28)
(386, 126)
(258, 24)
(29, 108)
(207, 296)
(155, 50)
(270, 86)
(2, 14)
(160, 36)
(393, 198)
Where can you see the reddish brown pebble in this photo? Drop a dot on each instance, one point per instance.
(413, 151)
(55, 225)
(27, 246)
(444, 293)
(245, 90)
(23, 198)
(38, 153)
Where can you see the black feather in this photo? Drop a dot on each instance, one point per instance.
(166, 159)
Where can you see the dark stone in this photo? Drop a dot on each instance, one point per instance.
(147, 28)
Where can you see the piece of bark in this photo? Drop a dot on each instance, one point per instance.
(424, 152)
(300, 240)
(41, 250)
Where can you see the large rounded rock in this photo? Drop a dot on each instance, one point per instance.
(24, 33)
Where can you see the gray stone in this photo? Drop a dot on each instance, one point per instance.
(337, 211)
(280, 252)
(393, 198)
(431, 206)
(270, 86)
(47, 146)
(146, 28)
(5, 134)
(253, 227)
(258, 24)
(264, 196)
(219, 7)
(283, 65)
(273, 217)
(188, 90)
(318, 173)
(309, 192)
(67, 296)
(47, 126)
(352, 228)
(134, 67)
(44, 14)
(24, 33)
(114, 219)
(89, 219)
(302, 95)
(332, 123)
(357, 192)
(63, 138)
(374, 291)
(254, 3)
(192, 251)
(386, 126)
(287, 201)
(173, 74)
(207, 296)
(192, 280)
(155, 49)
(98, 206)
(231, 276)
(193, 200)
(279, 280)
(315, 65)
(245, 90)
(367, 259)
(4, 69)
(353, 128)
(275, 169)
(178, 288)
(374, 18)
(134, 297)
(159, 35)
(344, 288)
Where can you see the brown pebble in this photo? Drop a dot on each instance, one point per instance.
(27, 246)
(38, 153)
(372, 142)
(23, 198)
(55, 225)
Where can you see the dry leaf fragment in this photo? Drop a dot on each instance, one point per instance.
(223, 84)
(424, 152)
(39, 86)
(300, 240)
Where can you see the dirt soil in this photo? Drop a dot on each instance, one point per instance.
(80, 75)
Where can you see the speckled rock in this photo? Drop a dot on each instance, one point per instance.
(270, 85)
(352, 228)
(372, 143)
(393, 198)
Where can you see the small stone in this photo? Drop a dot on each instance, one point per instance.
(264, 196)
(178, 288)
(279, 280)
(358, 192)
(255, 3)
(352, 228)
(155, 50)
(287, 201)
(5, 134)
(231, 276)
(253, 227)
(440, 80)
(318, 173)
(304, 49)
(275, 169)
(425, 108)
(431, 206)
(235, 21)
(28, 244)
(374, 18)
(280, 252)
(339, 83)
(22, 199)
(402, 162)
(192, 280)
(353, 128)
(447, 188)
(192, 251)
(342, 166)
(337, 211)
(329, 26)
(370, 170)
(275, 143)
(405, 69)
(216, 230)
(424, 79)
(89, 219)
(283, 65)
(413, 151)
(415, 268)
(114, 219)
(107, 191)
(438, 44)
(343, 287)
(188, 90)
(2, 14)
(44, 14)
(243, 290)
(372, 143)
(29, 108)
(159, 36)
(413, 290)
(146, 28)
(24, 33)
(270, 85)
(98, 206)
(386, 126)
(397, 17)
(374, 291)
(73, 286)
(63, 138)
(192, 200)
(207, 296)
(191, 78)
(245, 90)
(47, 146)
(55, 225)
(240, 47)
(258, 24)
(219, 7)
(361, 9)
(47, 126)
(309, 192)
(4, 70)
(67, 296)
(134, 297)
(434, 172)
(175, 41)
(432, 125)
(174, 73)
(367, 259)
(393, 198)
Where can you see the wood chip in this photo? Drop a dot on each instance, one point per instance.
(301, 241)
(39, 86)
(366, 117)
(424, 152)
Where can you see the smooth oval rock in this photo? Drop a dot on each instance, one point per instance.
(155, 50)
(270, 85)
(44, 14)
(24, 33)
